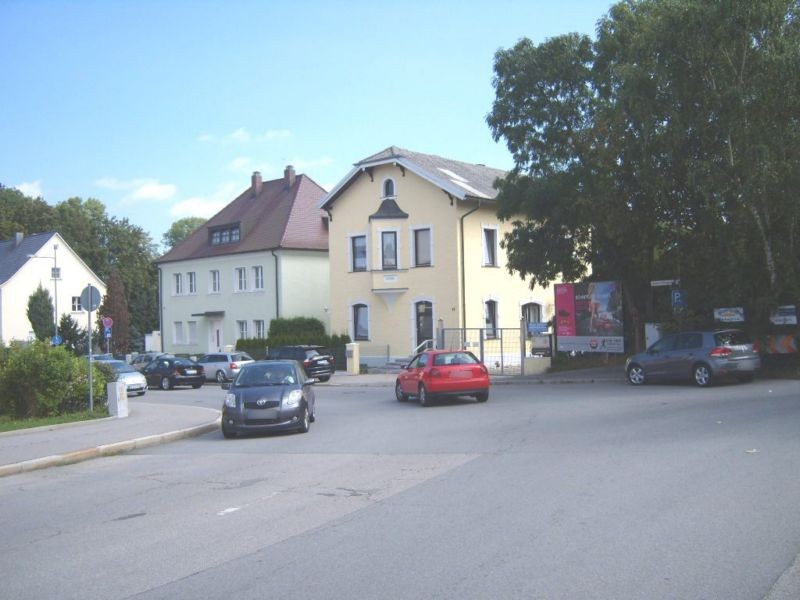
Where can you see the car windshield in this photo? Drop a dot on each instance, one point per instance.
(121, 367)
(266, 374)
(731, 338)
(182, 362)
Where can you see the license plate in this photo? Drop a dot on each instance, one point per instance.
(322, 362)
(191, 371)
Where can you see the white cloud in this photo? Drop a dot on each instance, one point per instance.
(244, 136)
(275, 134)
(241, 164)
(207, 206)
(31, 188)
(139, 189)
(240, 135)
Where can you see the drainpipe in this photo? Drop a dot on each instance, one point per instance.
(463, 269)
(160, 310)
(277, 291)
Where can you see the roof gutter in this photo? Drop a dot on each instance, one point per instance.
(463, 268)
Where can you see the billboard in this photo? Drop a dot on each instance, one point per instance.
(589, 317)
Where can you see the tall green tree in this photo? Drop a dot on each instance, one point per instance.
(73, 336)
(180, 230)
(115, 306)
(666, 148)
(20, 213)
(40, 313)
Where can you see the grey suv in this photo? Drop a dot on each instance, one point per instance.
(699, 356)
(223, 366)
(316, 360)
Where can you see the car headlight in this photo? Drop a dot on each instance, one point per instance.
(292, 399)
(230, 400)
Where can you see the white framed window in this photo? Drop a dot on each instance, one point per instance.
(192, 279)
(191, 327)
(178, 279)
(76, 304)
(532, 312)
(490, 312)
(360, 319)
(214, 282)
(422, 247)
(177, 332)
(389, 250)
(258, 278)
(387, 189)
(489, 246)
(358, 252)
(240, 279)
(241, 329)
(260, 330)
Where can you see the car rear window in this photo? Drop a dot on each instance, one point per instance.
(311, 353)
(184, 363)
(454, 358)
(731, 338)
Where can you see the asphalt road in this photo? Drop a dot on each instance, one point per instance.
(546, 491)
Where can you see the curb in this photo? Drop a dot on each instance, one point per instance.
(59, 460)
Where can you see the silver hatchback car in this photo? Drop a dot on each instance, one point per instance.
(224, 366)
(699, 356)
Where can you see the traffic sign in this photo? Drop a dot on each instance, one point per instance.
(56, 340)
(107, 332)
(108, 321)
(90, 298)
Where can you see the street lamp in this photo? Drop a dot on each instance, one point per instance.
(55, 275)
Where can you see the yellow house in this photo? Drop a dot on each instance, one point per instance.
(414, 247)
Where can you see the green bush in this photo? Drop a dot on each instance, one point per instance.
(40, 380)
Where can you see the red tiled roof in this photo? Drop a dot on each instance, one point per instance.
(278, 217)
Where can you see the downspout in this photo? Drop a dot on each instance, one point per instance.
(160, 309)
(277, 291)
(463, 269)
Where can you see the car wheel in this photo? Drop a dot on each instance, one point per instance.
(702, 375)
(305, 421)
(166, 384)
(221, 376)
(398, 393)
(636, 374)
(324, 379)
(482, 397)
(424, 398)
(141, 393)
(197, 385)
(229, 435)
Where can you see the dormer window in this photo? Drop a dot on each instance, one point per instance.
(388, 188)
(228, 234)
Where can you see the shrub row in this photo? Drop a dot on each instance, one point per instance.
(38, 380)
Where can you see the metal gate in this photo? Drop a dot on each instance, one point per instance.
(501, 350)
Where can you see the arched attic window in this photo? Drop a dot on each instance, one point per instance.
(388, 188)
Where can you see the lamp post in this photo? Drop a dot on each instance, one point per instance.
(55, 275)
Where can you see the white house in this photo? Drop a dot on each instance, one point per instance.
(264, 255)
(46, 259)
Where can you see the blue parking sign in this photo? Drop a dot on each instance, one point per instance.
(678, 300)
(107, 332)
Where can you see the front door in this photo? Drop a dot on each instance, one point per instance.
(424, 314)
(215, 338)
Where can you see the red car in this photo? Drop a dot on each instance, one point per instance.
(443, 373)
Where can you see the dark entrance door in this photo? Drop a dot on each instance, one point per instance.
(424, 314)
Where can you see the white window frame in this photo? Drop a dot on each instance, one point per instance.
(384, 195)
(240, 279)
(260, 328)
(491, 332)
(177, 281)
(351, 258)
(76, 304)
(487, 262)
(413, 256)
(397, 249)
(177, 333)
(241, 330)
(258, 277)
(352, 320)
(214, 282)
(191, 279)
(191, 330)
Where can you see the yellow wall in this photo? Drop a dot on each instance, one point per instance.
(392, 319)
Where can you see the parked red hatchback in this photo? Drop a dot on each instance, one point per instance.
(443, 373)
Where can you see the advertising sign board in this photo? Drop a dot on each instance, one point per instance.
(589, 317)
(734, 314)
(784, 315)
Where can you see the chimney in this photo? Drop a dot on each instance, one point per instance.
(256, 179)
(18, 238)
(288, 175)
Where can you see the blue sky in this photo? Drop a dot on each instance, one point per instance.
(163, 109)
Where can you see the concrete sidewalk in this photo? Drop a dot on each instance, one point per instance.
(149, 424)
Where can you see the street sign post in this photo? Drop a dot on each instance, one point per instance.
(90, 300)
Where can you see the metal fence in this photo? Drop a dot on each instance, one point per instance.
(501, 350)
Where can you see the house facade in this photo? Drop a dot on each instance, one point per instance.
(415, 245)
(263, 256)
(41, 259)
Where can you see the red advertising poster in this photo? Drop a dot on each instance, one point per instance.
(589, 317)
